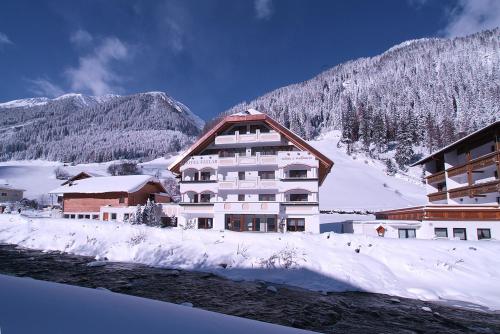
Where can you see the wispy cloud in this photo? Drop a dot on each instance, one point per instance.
(43, 87)
(4, 39)
(81, 38)
(94, 72)
(470, 16)
(263, 9)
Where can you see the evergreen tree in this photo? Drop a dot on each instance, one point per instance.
(137, 218)
(404, 147)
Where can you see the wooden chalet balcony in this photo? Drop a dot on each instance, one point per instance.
(436, 177)
(437, 196)
(478, 163)
(475, 190)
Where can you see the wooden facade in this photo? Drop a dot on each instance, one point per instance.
(444, 212)
(83, 202)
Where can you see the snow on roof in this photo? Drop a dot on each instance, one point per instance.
(105, 184)
(250, 111)
(9, 187)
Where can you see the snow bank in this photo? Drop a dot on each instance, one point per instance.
(32, 306)
(424, 269)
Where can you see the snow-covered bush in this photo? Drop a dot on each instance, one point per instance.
(61, 174)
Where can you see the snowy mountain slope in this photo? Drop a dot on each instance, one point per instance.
(436, 88)
(353, 184)
(81, 128)
(357, 182)
(456, 272)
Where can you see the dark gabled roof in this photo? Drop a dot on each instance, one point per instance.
(325, 164)
(454, 145)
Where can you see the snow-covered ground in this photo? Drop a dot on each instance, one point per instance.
(356, 182)
(456, 271)
(32, 306)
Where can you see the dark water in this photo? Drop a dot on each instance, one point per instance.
(349, 312)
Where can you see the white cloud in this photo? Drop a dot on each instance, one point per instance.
(470, 16)
(4, 39)
(43, 87)
(94, 72)
(81, 38)
(263, 9)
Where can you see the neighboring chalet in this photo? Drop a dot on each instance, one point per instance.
(249, 173)
(109, 197)
(463, 184)
(10, 194)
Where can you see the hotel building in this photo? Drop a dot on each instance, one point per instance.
(249, 173)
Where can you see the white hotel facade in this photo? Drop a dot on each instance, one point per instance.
(249, 173)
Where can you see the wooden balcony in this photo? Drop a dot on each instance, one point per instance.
(475, 164)
(437, 196)
(436, 177)
(475, 190)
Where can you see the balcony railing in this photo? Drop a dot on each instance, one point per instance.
(436, 177)
(437, 196)
(248, 138)
(249, 184)
(475, 190)
(475, 164)
(245, 160)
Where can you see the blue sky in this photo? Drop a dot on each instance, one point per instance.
(208, 54)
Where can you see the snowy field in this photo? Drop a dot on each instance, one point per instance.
(32, 306)
(356, 182)
(457, 272)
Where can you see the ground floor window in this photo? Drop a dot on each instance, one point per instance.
(80, 216)
(253, 223)
(407, 233)
(460, 233)
(95, 216)
(483, 233)
(205, 223)
(126, 217)
(66, 216)
(441, 232)
(87, 216)
(72, 216)
(168, 221)
(113, 216)
(295, 224)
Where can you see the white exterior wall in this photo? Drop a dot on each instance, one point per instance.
(425, 229)
(226, 172)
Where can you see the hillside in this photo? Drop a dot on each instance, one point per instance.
(422, 92)
(79, 128)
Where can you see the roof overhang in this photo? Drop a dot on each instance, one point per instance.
(325, 164)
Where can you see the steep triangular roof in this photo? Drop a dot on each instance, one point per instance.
(251, 115)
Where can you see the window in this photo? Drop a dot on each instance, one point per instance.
(298, 197)
(241, 175)
(267, 197)
(271, 224)
(95, 216)
(297, 173)
(407, 233)
(295, 224)
(4, 194)
(66, 216)
(241, 197)
(267, 175)
(205, 198)
(87, 216)
(205, 223)
(80, 216)
(126, 217)
(205, 176)
(195, 198)
(483, 233)
(441, 232)
(72, 216)
(460, 233)
(121, 199)
(113, 216)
